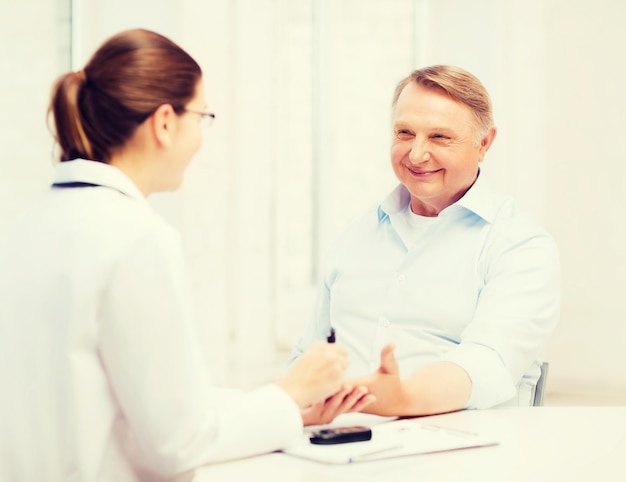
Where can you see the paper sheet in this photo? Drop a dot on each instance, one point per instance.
(390, 438)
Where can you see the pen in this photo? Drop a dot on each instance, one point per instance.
(331, 338)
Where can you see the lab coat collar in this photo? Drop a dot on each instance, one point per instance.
(81, 170)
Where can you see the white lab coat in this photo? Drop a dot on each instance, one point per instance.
(102, 373)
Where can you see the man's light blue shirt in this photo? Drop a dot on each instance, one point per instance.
(479, 286)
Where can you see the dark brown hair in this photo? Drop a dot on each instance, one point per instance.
(460, 85)
(97, 109)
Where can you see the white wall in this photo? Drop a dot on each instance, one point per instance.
(585, 166)
(30, 35)
(300, 146)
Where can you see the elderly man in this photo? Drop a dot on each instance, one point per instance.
(446, 294)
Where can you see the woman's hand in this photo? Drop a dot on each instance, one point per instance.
(348, 399)
(317, 374)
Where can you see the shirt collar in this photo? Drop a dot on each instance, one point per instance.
(80, 170)
(395, 202)
(479, 199)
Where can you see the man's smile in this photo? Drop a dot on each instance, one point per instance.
(422, 172)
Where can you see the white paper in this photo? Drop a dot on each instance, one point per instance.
(393, 438)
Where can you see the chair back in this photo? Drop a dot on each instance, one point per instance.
(541, 385)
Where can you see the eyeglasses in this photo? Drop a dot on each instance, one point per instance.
(207, 117)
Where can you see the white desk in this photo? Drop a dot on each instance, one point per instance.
(537, 444)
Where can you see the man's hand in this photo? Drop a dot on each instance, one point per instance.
(385, 384)
(437, 388)
(348, 399)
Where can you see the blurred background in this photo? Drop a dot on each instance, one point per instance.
(300, 146)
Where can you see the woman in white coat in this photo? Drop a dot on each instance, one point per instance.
(103, 376)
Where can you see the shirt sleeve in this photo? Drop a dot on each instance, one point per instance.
(518, 309)
(157, 373)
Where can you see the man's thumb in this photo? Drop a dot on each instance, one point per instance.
(388, 363)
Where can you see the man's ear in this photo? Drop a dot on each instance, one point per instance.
(162, 122)
(485, 142)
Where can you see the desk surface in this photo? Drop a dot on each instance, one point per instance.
(536, 444)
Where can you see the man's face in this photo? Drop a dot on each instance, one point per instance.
(434, 151)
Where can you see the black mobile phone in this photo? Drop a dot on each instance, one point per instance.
(341, 435)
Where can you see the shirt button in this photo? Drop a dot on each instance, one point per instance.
(384, 322)
(401, 277)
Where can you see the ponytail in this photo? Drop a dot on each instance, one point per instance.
(68, 124)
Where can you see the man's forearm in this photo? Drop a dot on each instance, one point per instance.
(438, 388)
